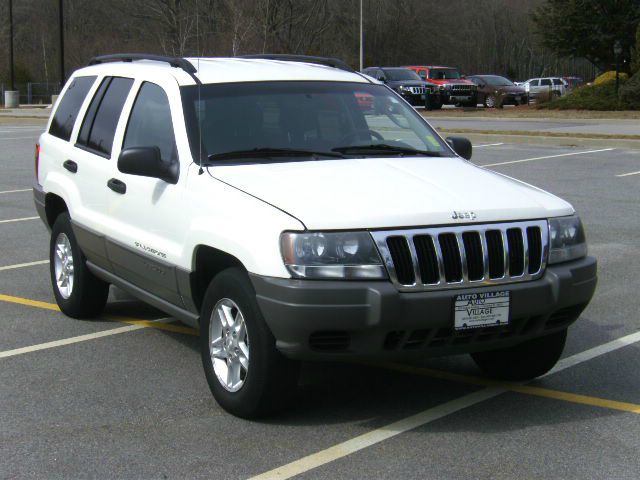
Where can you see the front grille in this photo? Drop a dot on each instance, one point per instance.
(463, 256)
(463, 88)
(417, 90)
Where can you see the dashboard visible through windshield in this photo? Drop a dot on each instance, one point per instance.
(290, 120)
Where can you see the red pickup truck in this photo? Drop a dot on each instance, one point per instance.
(454, 89)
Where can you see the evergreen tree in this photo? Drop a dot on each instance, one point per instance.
(589, 29)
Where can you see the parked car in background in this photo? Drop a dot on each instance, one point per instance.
(554, 85)
(454, 88)
(497, 91)
(408, 84)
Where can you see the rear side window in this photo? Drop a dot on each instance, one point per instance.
(101, 120)
(150, 122)
(545, 82)
(67, 111)
(557, 81)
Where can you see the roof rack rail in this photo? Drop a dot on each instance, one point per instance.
(176, 62)
(329, 62)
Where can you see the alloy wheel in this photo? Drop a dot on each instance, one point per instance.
(229, 344)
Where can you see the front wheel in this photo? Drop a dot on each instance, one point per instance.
(246, 374)
(79, 293)
(524, 361)
(490, 101)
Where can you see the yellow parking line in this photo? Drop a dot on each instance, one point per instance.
(132, 321)
(518, 388)
(28, 302)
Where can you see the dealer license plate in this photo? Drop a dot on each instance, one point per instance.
(475, 310)
(423, 97)
(518, 99)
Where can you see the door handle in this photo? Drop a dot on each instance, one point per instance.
(117, 186)
(71, 166)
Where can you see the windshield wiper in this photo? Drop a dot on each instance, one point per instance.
(384, 148)
(271, 152)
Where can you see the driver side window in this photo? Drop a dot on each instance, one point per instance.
(150, 122)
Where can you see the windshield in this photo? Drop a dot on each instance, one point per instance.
(401, 74)
(307, 116)
(444, 74)
(497, 81)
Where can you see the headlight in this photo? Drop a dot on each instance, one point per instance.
(566, 239)
(345, 255)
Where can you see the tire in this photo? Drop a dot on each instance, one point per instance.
(525, 361)
(490, 101)
(78, 292)
(262, 379)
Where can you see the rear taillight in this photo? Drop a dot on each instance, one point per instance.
(37, 159)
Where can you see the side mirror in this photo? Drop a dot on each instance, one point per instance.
(462, 146)
(146, 162)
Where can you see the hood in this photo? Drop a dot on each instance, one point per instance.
(390, 192)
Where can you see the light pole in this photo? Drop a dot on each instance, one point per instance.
(61, 41)
(11, 72)
(11, 96)
(361, 40)
(617, 51)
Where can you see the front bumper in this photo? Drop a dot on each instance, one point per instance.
(459, 96)
(316, 320)
(513, 99)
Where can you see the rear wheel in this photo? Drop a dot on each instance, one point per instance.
(247, 375)
(79, 293)
(525, 361)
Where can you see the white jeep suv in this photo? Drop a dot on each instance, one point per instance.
(259, 201)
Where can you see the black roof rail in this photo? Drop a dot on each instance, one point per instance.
(176, 62)
(329, 62)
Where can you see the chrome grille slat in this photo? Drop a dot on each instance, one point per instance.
(463, 257)
(485, 254)
(414, 258)
(525, 245)
(476, 255)
(436, 244)
(505, 252)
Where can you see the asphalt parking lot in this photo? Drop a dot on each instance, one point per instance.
(125, 397)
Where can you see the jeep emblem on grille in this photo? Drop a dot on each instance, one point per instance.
(463, 215)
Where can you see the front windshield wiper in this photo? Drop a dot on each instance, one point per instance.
(271, 152)
(384, 148)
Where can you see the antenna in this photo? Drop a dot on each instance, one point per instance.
(200, 170)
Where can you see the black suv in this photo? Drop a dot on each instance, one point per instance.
(408, 84)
